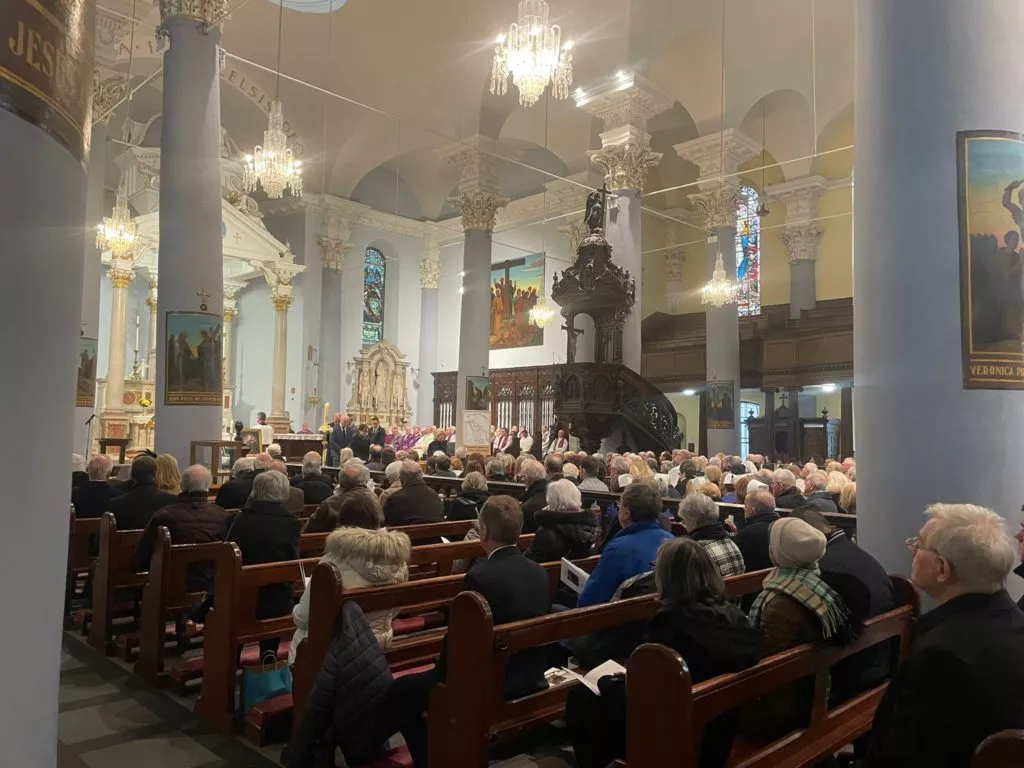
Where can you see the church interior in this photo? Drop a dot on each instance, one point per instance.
(540, 257)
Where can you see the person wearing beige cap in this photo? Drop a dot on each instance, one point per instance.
(795, 606)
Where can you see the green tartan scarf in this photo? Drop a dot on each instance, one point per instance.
(806, 587)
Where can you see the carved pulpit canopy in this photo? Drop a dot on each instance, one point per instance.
(379, 388)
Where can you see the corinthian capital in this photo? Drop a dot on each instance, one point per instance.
(479, 208)
(206, 13)
(121, 273)
(430, 273)
(801, 241)
(625, 165)
(717, 207)
(333, 251)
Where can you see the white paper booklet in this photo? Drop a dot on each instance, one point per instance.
(558, 675)
(573, 577)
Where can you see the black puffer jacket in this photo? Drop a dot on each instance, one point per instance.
(563, 534)
(346, 706)
(466, 506)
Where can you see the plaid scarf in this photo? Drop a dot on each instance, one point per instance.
(806, 587)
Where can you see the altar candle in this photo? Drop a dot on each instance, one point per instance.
(136, 332)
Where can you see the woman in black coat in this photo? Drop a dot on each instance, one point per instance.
(466, 506)
(360, 443)
(711, 634)
(564, 529)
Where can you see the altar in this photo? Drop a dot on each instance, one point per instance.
(380, 390)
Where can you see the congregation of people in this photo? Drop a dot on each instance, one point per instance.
(963, 680)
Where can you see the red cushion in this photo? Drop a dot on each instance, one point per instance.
(396, 758)
(412, 671)
(408, 625)
(433, 619)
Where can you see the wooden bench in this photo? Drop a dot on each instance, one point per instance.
(1000, 750)
(467, 712)
(114, 570)
(661, 698)
(328, 595)
(81, 560)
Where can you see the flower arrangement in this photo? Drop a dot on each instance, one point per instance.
(146, 402)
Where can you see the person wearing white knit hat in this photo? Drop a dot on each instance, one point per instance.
(795, 606)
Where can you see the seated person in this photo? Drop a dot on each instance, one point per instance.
(964, 678)
(92, 498)
(323, 478)
(818, 497)
(311, 481)
(235, 492)
(759, 514)
(535, 497)
(466, 506)
(788, 496)
(795, 606)
(571, 472)
(695, 620)
(191, 519)
(495, 471)
(564, 528)
(79, 472)
(442, 465)
(367, 556)
(133, 508)
(515, 588)
(376, 462)
(633, 549)
(590, 470)
(701, 518)
(295, 502)
(352, 480)
(266, 532)
(415, 502)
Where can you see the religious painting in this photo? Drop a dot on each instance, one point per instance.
(516, 287)
(85, 397)
(193, 371)
(478, 393)
(990, 175)
(721, 397)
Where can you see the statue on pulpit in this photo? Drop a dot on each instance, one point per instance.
(594, 216)
(572, 333)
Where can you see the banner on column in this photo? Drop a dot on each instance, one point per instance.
(990, 174)
(46, 67)
(193, 370)
(721, 405)
(85, 397)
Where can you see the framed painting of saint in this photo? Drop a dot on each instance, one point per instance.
(721, 406)
(990, 176)
(193, 370)
(85, 397)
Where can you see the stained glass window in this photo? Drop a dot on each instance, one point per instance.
(374, 275)
(748, 252)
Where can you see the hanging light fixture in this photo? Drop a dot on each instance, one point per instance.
(271, 166)
(119, 232)
(534, 55)
(541, 314)
(720, 290)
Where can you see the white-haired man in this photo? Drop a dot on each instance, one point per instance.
(817, 497)
(700, 516)
(964, 678)
(315, 485)
(415, 502)
(91, 498)
(235, 492)
(788, 495)
(296, 498)
(352, 479)
(274, 449)
(192, 519)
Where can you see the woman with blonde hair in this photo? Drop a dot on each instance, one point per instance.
(711, 490)
(848, 498)
(168, 476)
(713, 474)
(508, 461)
(346, 454)
(638, 468)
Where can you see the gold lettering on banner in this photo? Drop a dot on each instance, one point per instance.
(46, 67)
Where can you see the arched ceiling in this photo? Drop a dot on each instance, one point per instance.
(374, 89)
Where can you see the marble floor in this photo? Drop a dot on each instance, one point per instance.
(111, 719)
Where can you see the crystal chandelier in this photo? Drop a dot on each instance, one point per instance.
(271, 165)
(720, 290)
(541, 314)
(118, 232)
(534, 55)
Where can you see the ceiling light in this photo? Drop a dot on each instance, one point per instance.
(828, 387)
(533, 55)
(689, 392)
(720, 290)
(541, 314)
(119, 232)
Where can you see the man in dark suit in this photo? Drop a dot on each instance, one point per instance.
(235, 492)
(134, 508)
(341, 436)
(376, 432)
(964, 677)
(758, 514)
(515, 588)
(91, 498)
(415, 502)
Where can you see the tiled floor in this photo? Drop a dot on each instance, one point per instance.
(111, 719)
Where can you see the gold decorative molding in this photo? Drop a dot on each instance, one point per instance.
(230, 314)
(106, 93)
(206, 13)
(280, 301)
(120, 276)
(430, 273)
(479, 208)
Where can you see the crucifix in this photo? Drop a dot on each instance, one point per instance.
(507, 296)
(571, 332)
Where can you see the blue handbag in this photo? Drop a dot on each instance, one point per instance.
(264, 681)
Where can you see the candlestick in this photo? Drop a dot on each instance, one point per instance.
(136, 331)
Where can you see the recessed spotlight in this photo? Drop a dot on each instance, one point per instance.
(689, 392)
(828, 387)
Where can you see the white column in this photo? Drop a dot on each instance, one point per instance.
(625, 103)
(334, 247)
(800, 236)
(718, 156)
(281, 296)
(43, 220)
(151, 302)
(912, 97)
(190, 195)
(121, 275)
(430, 283)
(230, 313)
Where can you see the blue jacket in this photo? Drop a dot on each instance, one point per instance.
(631, 552)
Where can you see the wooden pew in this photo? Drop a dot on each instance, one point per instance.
(1000, 750)
(114, 570)
(467, 712)
(328, 595)
(80, 559)
(661, 696)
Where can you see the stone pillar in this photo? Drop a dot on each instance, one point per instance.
(718, 156)
(281, 297)
(625, 103)
(334, 247)
(845, 422)
(479, 203)
(151, 302)
(190, 197)
(800, 236)
(93, 271)
(769, 422)
(121, 274)
(430, 282)
(907, 284)
(44, 129)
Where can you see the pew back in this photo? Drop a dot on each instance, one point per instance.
(1000, 750)
(81, 534)
(114, 570)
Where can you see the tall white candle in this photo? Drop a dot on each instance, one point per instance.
(136, 333)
